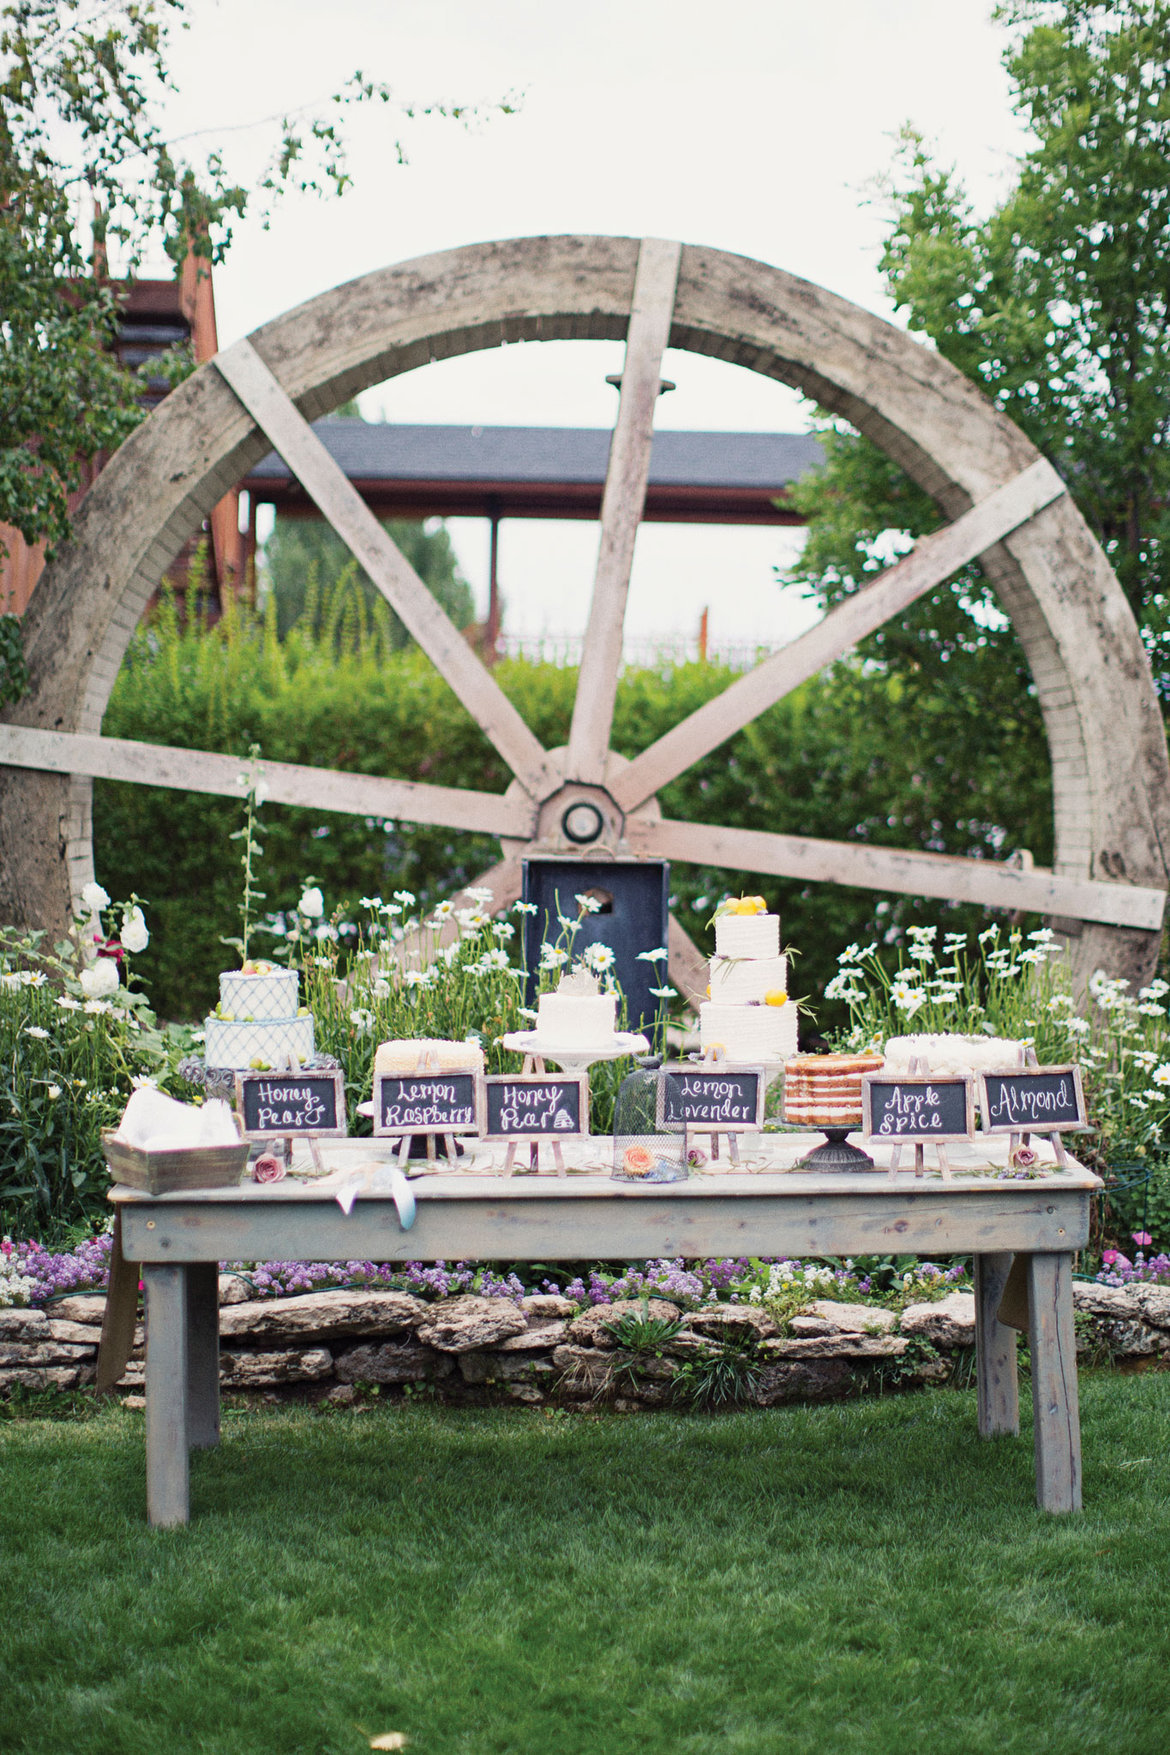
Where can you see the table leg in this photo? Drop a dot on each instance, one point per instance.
(203, 1355)
(997, 1386)
(1052, 1340)
(166, 1394)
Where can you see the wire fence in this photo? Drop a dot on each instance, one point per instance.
(649, 654)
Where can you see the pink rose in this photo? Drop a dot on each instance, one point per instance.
(696, 1158)
(1024, 1157)
(268, 1169)
(1142, 1239)
(1109, 1256)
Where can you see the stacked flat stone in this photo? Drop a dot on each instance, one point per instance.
(824, 1090)
(746, 967)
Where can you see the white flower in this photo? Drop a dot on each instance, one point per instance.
(405, 897)
(443, 911)
(552, 956)
(100, 978)
(1150, 1010)
(472, 919)
(927, 934)
(312, 903)
(1161, 1074)
(54, 1091)
(599, 958)
(524, 908)
(36, 1031)
(477, 894)
(1077, 1026)
(95, 898)
(98, 1008)
(362, 1020)
(67, 1003)
(134, 935)
(496, 958)
(664, 992)
(526, 1012)
(325, 934)
(381, 988)
(33, 978)
(588, 904)
(414, 978)
(989, 934)
(10, 982)
(370, 901)
(1039, 955)
(503, 929)
(658, 955)
(140, 1082)
(908, 999)
(1156, 990)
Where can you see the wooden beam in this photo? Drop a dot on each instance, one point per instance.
(621, 508)
(278, 417)
(907, 873)
(933, 559)
(686, 964)
(358, 795)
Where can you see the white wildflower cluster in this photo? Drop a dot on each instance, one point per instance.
(15, 1287)
(786, 1278)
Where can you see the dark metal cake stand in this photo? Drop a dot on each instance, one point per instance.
(837, 1153)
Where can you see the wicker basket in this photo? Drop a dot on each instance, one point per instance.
(166, 1172)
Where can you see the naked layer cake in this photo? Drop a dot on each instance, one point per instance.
(824, 1090)
(749, 1015)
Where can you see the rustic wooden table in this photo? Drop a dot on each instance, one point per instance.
(774, 1211)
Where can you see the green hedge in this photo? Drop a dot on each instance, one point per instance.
(840, 758)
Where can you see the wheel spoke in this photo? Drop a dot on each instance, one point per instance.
(687, 965)
(326, 484)
(929, 563)
(622, 505)
(361, 795)
(908, 873)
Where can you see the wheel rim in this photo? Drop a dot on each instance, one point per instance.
(1006, 505)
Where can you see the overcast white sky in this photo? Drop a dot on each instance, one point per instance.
(752, 125)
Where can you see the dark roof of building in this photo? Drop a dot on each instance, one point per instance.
(549, 471)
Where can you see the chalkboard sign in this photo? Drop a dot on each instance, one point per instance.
(276, 1105)
(712, 1099)
(916, 1109)
(427, 1103)
(537, 1106)
(1045, 1099)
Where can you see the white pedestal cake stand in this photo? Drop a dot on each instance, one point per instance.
(574, 1060)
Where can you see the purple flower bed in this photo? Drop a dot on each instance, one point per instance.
(1150, 1270)
(85, 1268)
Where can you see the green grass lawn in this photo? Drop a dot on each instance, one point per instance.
(868, 1577)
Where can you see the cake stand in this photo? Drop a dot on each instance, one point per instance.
(575, 1060)
(836, 1153)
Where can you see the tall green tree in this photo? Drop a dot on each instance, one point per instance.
(311, 572)
(1055, 303)
(84, 90)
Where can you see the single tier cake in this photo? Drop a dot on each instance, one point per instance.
(954, 1054)
(257, 1022)
(428, 1053)
(824, 1090)
(578, 1014)
(748, 1016)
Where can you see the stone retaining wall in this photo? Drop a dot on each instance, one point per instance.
(335, 1344)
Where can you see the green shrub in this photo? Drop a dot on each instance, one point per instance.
(834, 759)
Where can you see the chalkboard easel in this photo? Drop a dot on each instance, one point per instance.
(712, 1096)
(918, 1109)
(458, 1095)
(1041, 1099)
(542, 1122)
(292, 1102)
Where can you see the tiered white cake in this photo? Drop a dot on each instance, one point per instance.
(749, 1015)
(258, 1022)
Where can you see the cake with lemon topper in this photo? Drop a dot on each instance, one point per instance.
(258, 1021)
(749, 1016)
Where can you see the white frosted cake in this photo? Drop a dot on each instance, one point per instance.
(258, 1022)
(954, 1054)
(577, 1015)
(748, 1016)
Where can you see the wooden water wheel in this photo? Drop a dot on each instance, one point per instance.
(1007, 507)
